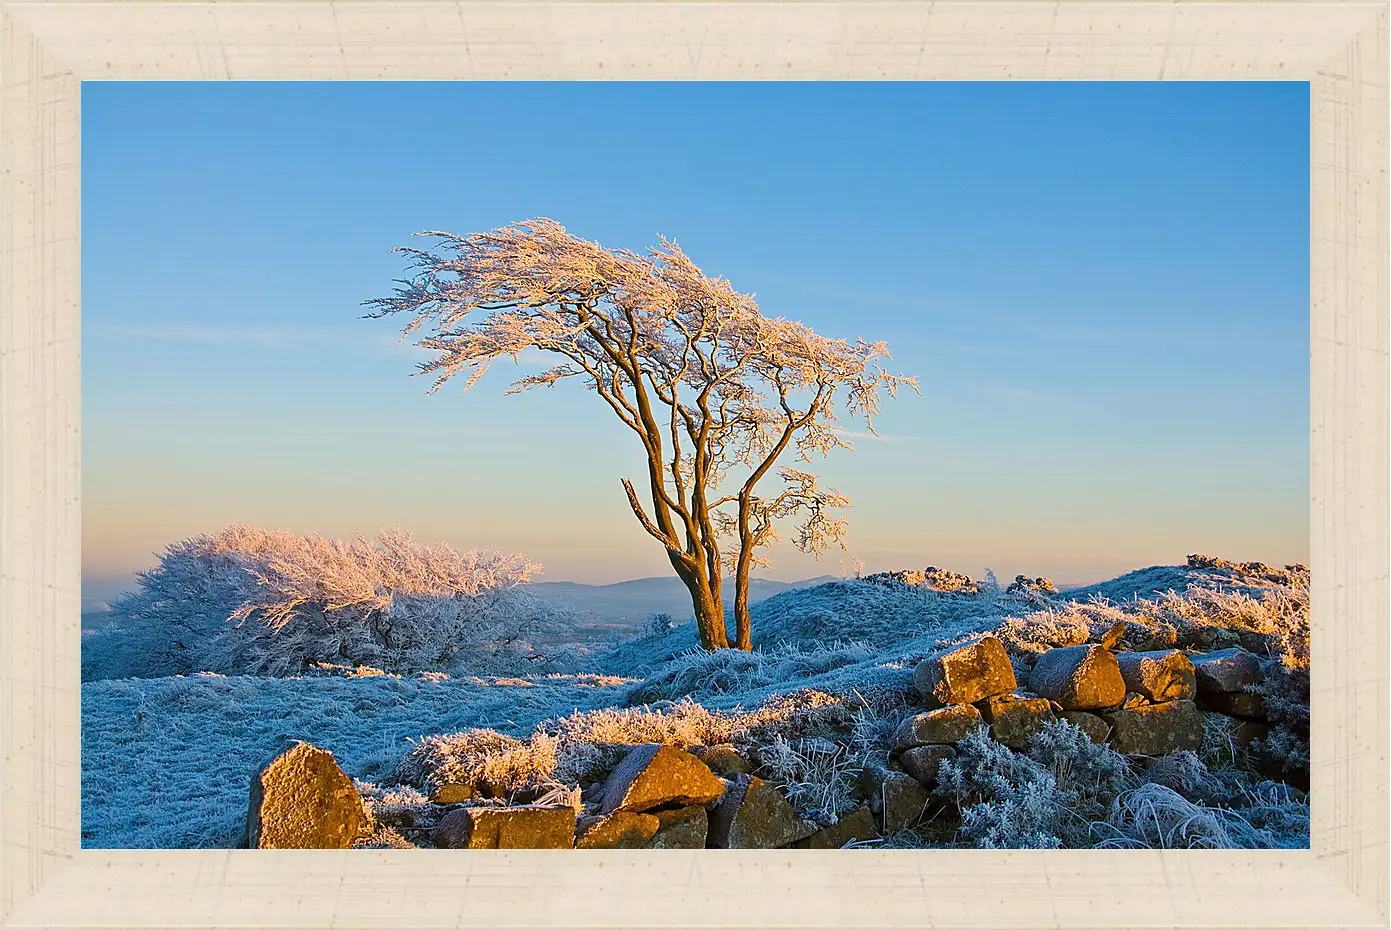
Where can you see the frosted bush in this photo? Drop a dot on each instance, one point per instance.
(1007, 800)
(1188, 774)
(1285, 689)
(1069, 625)
(1094, 772)
(1042, 799)
(682, 724)
(568, 750)
(264, 602)
(660, 624)
(816, 775)
(484, 759)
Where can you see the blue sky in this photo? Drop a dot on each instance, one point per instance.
(1103, 289)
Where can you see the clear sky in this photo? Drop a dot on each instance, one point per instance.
(1103, 289)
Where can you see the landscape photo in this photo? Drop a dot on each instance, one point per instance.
(695, 466)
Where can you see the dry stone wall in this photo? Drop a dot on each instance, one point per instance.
(1142, 703)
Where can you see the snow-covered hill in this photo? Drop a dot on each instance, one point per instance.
(166, 761)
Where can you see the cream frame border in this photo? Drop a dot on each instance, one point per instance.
(47, 48)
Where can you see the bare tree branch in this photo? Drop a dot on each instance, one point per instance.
(692, 366)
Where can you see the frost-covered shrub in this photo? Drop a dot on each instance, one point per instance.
(485, 759)
(1190, 776)
(701, 673)
(682, 724)
(660, 624)
(1285, 688)
(1043, 799)
(818, 776)
(263, 602)
(1094, 772)
(585, 745)
(1007, 800)
(1036, 632)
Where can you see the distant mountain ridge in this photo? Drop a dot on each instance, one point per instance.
(628, 603)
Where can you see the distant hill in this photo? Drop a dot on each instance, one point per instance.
(628, 603)
(611, 608)
(96, 592)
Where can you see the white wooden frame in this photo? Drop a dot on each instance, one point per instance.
(48, 48)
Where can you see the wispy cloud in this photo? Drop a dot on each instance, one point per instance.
(877, 437)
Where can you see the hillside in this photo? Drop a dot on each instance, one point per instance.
(819, 705)
(629, 603)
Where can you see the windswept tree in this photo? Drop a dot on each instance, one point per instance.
(715, 391)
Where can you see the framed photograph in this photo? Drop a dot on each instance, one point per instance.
(731, 464)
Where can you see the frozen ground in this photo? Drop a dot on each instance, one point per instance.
(167, 761)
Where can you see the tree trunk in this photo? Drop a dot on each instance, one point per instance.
(709, 615)
(742, 631)
(709, 612)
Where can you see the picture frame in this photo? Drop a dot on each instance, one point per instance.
(48, 48)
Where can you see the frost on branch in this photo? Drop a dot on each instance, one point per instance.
(254, 601)
(708, 384)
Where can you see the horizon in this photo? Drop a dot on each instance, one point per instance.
(1103, 286)
(110, 586)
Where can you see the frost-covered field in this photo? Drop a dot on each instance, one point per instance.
(167, 761)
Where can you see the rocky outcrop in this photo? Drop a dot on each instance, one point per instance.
(932, 578)
(523, 827)
(684, 828)
(966, 674)
(943, 726)
(1156, 729)
(656, 775)
(1079, 677)
(623, 830)
(301, 799)
(896, 798)
(1014, 719)
(753, 814)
